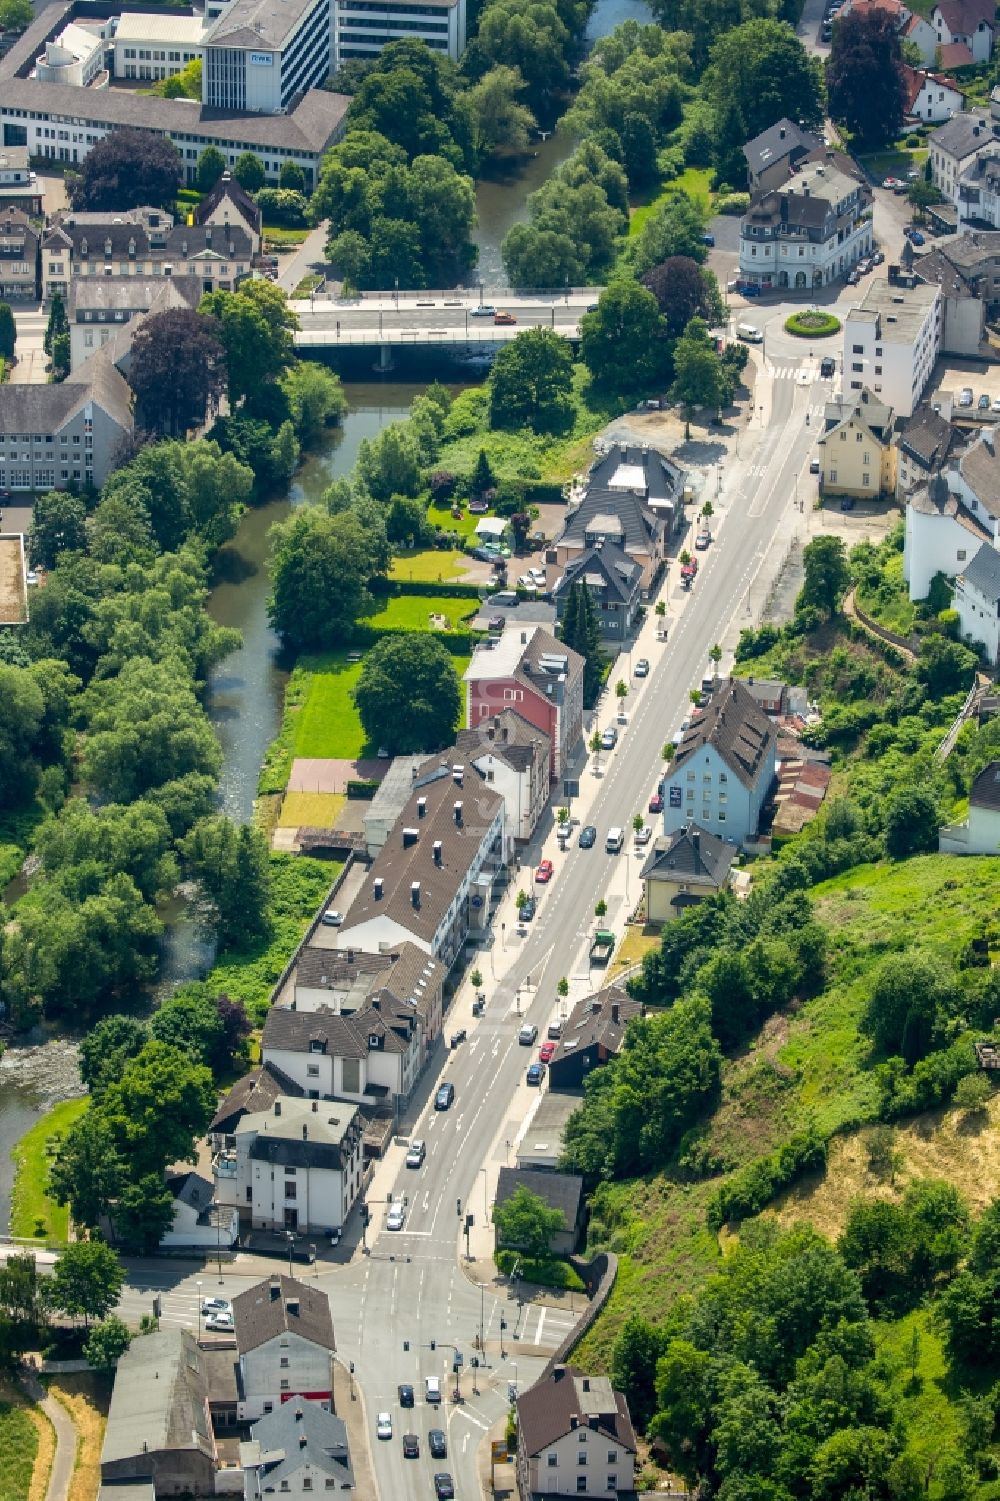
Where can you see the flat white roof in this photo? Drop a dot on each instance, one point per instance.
(501, 660)
(491, 526)
(133, 27)
(628, 477)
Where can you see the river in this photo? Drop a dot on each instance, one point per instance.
(246, 690)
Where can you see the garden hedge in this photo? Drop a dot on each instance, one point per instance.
(812, 325)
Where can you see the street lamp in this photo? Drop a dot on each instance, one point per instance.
(216, 1207)
(291, 1241)
(486, 1205)
(396, 291)
(198, 1285)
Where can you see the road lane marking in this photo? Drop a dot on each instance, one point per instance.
(541, 1326)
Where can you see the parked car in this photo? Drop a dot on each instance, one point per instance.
(482, 555)
(878, 258)
(965, 397)
(621, 718)
(545, 1052)
(996, 403)
(535, 1074)
(526, 582)
(396, 1218)
(544, 870)
(411, 1446)
(457, 1038)
(916, 238)
(496, 623)
(853, 279)
(827, 366)
(406, 1398)
(702, 540)
(847, 503)
(444, 1097)
(707, 238)
(215, 1305)
(983, 403)
(504, 318)
(554, 1031)
(643, 836)
(444, 1488)
(642, 668)
(527, 909)
(383, 1425)
(332, 919)
(656, 803)
(609, 739)
(814, 466)
(588, 837)
(527, 1035)
(484, 310)
(416, 1154)
(437, 1443)
(220, 1323)
(537, 576)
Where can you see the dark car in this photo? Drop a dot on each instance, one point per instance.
(827, 366)
(535, 1073)
(482, 555)
(444, 1488)
(406, 1396)
(437, 1443)
(527, 910)
(656, 803)
(588, 837)
(444, 1097)
(707, 238)
(457, 1038)
(411, 1446)
(847, 503)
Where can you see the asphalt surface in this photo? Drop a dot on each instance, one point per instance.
(381, 319)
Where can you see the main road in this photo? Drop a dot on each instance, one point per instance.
(396, 318)
(402, 1311)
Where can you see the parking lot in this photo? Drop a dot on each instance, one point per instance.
(954, 377)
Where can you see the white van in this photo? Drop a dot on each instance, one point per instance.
(614, 841)
(432, 1389)
(749, 333)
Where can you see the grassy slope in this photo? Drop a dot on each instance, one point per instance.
(31, 1208)
(18, 1446)
(808, 1065)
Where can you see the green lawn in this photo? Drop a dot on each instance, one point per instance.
(278, 235)
(412, 612)
(33, 1214)
(894, 163)
(327, 724)
(695, 181)
(18, 1446)
(431, 565)
(919, 1397)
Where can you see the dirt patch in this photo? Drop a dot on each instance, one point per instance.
(963, 1150)
(86, 1398)
(13, 595)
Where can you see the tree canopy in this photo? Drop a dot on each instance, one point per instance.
(524, 1222)
(416, 669)
(864, 77)
(622, 342)
(127, 168)
(530, 381)
(178, 371)
(321, 567)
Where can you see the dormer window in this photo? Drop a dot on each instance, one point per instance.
(131, 249)
(83, 247)
(373, 1039)
(315, 1045)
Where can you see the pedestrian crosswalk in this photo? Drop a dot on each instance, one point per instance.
(803, 375)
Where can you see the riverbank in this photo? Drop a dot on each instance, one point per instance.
(33, 1214)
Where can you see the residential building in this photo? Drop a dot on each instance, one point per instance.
(432, 882)
(360, 31)
(967, 24)
(769, 694)
(198, 1221)
(227, 204)
(297, 1451)
(514, 758)
(963, 326)
(370, 1058)
(773, 155)
(61, 121)
(56, 435)
(541, 1144)
(393, 794)
(285, 1346)
(18, 256)
(891, 341)
(562, 1191)
(921, 33)
(296, 1167)
(347, 981)
(593, 1034)
(19, 186)
(923, 446)
(856, 452)
(142, 243)
(810, 230)
(684, 868)
(255, 1092)
(634, 500)
(97, 306)
(949, 518)
(724, 768)
(931, 97)
(530, 671)
(977, 601)
(954, 147)
(980, 833)
(159, 1429)
(574, 1438)
(614, 582)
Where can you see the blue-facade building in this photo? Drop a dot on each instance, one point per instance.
(724, 768)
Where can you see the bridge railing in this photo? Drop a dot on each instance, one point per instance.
(460, 296)
(332, 338)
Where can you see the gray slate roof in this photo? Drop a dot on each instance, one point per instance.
(690, 854)
(160, 1397)
(298, 1442)
(304, 1133)
(963, 134)
(508, 736)
(598, 1020)
(986, 788)
(227, 188)
(620, 574)
(983, 573)
(562, 1191)
(282, 1305)
(257, 1090)
(46, 409)
(927, 437)
(980, 468)
(641, 528)
(784, 139)
(736, 727)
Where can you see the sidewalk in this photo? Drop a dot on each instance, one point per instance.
(64, 1460)
(350, 1407)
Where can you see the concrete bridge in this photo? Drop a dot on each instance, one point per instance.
(387, 320)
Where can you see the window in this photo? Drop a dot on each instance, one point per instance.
(307, 1484)
(960, 556)
(553, 1460)
(312, 1069)
(283, 1362)
(284, 1383)
(722, 816)
(723, 776)
(857, 349)
(857, 437)
(581, 1484)
(612, 1482)
(866, 458)
(857, 366)
(833, 476)
(581, 1457)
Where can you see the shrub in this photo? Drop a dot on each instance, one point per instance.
(812, 325)
(550, 1272)
(732, 203)
(748, 1191)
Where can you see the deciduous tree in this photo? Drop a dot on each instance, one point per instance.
(827, 576)
(211, 165)
(864, 77)
(86, 1281)
(249, 172)
(524, 1222)
(758, 72)
(531, 380)
(419, 671)
(256, 326)
(321, 566)
(127, 168)
(178, 371)
(230, 864)
(8, 331)
(683, 290)
(106, 1344)
(622, 342)
(58, 525)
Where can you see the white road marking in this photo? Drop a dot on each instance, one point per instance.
(541, 1325)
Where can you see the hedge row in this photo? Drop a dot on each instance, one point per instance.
(393, 587)
(361, 789)
(550, 1272)
(751, 1188)
(459, 643)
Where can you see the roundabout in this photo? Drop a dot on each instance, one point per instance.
(812, 325)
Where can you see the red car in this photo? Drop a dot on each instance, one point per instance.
(544, 871)
(545, 1052)
(656, 803)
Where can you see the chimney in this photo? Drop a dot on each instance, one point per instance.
(379, 884)
(315, 1108)
(574, 1421)
(586, 1380)
(275, 1289)
(695, 840)
(421, 807)
(298, 1413)
(415, 893)
(302, 1438)
(305, 1133)
(458, 812)
(781, 133)
(277, 1107)
(437, 848)
(595, 1008)
(350, 956)
(410, 837)
(292, 1306)
(616, 1018)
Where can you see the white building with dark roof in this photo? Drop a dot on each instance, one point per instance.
(285, 1346)
(71, 433)
(891, 342)
(949, 518)
(98, 306)
(574, 1438)
(724, 768)
(954, 147)
(980, 832)
(773, 155)
(977, 601)
(159, 1429)
(297, 1166)
(614, 582)
(298, 1450)
(808, 231)
(513, 757)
